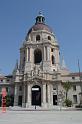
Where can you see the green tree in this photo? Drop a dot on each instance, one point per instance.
(8, 100)
(67, 87)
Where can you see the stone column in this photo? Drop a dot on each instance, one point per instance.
(28, 62)
(27, 54)
(44, 54)
(24, 95)
(16, 95)
(48, 51)
(44, 96)
(51, 91)
(49, 95)
(28, 104)
(57, 58)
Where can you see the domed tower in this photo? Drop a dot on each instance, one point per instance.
(39, 66)
(40, 48)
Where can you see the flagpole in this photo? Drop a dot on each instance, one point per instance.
(79, 71)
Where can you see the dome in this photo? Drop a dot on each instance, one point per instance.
(40, 26)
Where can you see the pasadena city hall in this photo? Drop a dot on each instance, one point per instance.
(38, 78)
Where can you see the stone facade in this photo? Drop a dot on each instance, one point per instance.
(7, 83)
(39, 76)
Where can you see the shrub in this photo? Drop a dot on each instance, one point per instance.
(68, 103)
(9, 100)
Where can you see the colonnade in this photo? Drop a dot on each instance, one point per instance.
(46, 95)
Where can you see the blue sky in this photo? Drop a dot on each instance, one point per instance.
(63, 16)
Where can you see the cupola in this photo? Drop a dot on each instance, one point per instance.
(40, 18)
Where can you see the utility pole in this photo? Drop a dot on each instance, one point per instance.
(80, 83)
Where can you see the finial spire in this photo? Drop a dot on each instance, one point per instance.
(40, 13)
(16, 66)
(63, 62)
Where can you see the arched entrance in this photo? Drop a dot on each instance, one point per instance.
(36, 95)
(37, 56)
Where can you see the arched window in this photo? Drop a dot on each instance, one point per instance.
(49, 38)
(37, 37)
(37, 56)
(53, 59)
(53, 69)
(24, 59)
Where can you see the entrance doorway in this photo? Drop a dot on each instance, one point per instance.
(36, 95)
(54, 99)
(20, 101)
